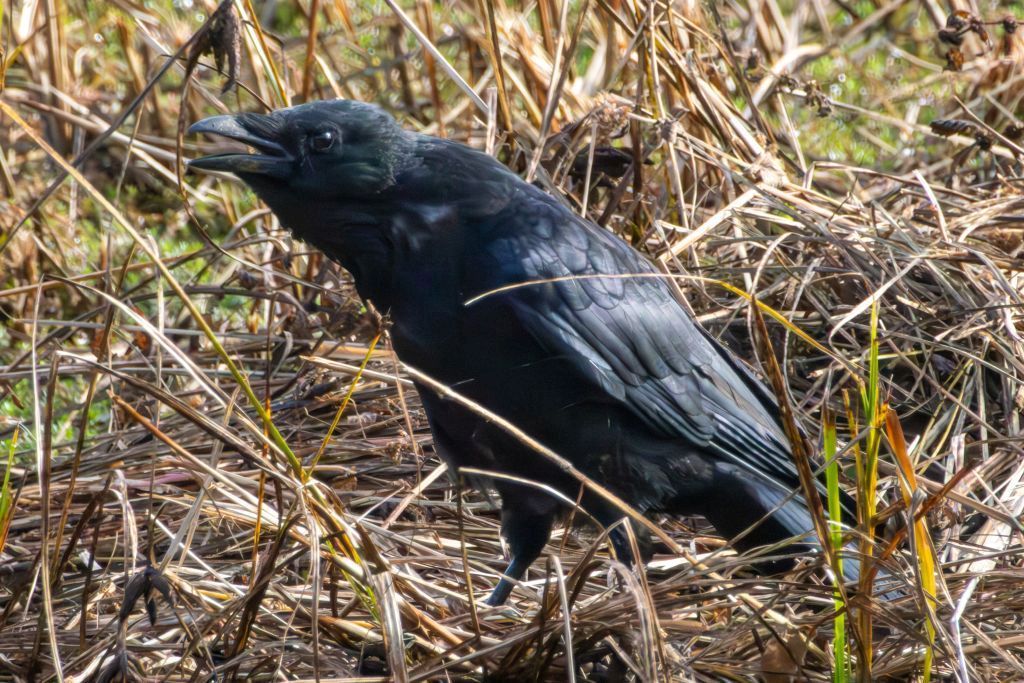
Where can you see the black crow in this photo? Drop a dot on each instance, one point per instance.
(593, 355)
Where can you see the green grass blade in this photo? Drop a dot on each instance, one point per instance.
(867, 485)
(841, 672)
(6, 498)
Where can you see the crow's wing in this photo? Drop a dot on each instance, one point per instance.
(598, 303)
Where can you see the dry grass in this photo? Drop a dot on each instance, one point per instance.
(195, 408)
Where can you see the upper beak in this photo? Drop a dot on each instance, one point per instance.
(271, 158)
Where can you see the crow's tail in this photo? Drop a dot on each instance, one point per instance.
(754, 513)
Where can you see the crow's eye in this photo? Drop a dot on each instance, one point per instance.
(322, 141)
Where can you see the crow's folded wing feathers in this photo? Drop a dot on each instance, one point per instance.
(608, 311)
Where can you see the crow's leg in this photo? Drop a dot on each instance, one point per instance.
(610, 517)
(526, 534)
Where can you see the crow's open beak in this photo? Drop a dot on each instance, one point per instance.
(270, 158)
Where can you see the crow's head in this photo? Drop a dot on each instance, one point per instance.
(323, 151)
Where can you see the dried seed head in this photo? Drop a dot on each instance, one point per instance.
(222, 36)
(951, 36)
(947, 127)
(611, 114)
(954, 60)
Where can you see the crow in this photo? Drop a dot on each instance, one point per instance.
(496, 289)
